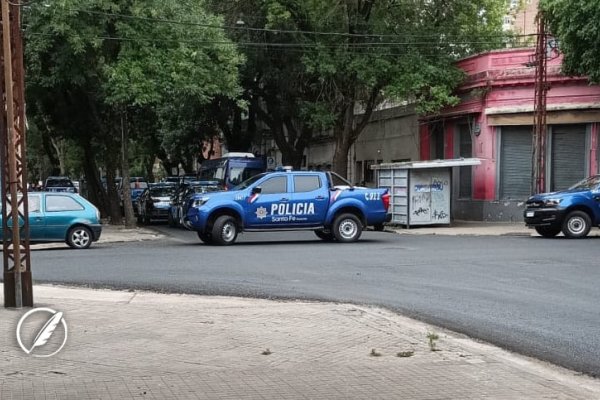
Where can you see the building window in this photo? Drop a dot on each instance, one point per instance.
(465, 149)
(437, 141)
(368, 173)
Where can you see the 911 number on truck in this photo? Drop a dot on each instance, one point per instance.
(320, 201)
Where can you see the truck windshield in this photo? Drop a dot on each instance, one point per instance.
(213, 174)
(587, 184)
(238, 175)
(249, 182)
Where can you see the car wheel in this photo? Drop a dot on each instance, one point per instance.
(347, 228)
(205, 237)
(79, 237)
(224, 231)
(171, 221)
(548, 231)
(577, 225)
(325, 235)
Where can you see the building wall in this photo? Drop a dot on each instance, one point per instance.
(524, 18)
(391, 135)
(499, 92)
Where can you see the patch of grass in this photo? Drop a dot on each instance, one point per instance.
(404, 354)
(375, 353)
(266, 352)
(432, 341)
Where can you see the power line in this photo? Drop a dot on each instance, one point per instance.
(425, 48)
(268, 30)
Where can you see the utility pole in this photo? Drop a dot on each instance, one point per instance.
(18, 290)
(539, 112)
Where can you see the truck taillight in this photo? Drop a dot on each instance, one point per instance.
(386, 201)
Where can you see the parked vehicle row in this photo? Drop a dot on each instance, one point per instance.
(154, 202)
(182, 194)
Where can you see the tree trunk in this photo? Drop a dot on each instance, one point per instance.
(59, 146)
(340, 155)
(95, 191)
(114, 206)
(127, 206)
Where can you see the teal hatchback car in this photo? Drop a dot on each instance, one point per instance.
(62, 217)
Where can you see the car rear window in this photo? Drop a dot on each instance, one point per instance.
(62, 203)
(59, 183)
(162, 191)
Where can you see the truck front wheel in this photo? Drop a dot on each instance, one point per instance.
(205, 237)
(548, 231)
(347, 228)
(324, 235)
(224, 231)
(577, 225)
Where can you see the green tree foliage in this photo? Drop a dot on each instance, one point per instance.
(575, 24)
(102, 71)
(327, 65)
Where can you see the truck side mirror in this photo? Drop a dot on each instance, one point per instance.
(256, 190)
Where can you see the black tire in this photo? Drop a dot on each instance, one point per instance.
(224, 231)
(347, 228)
(139, 219)
(205, 237)
(170, 220)
(79, 237)
(548, 231)
(577, 225)
(324, 235)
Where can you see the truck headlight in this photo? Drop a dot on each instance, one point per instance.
(552, 202)
(200, 202)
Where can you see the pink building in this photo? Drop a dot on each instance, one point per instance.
(494, 122)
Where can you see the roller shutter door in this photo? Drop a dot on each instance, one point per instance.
(568, 156)
(515, 162)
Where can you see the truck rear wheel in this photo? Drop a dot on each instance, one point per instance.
(347, 228)
(548, 231)
(577, 225)
(224, 231)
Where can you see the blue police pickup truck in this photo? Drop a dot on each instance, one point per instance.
(303, 200)
(573, 211)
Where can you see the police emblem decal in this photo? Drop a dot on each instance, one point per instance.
(261, 213)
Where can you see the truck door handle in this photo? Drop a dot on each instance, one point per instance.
(320, 198)
(284, 199)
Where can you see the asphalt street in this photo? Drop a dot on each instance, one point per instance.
(536, 296)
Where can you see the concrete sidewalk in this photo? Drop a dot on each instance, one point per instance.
(125, 345)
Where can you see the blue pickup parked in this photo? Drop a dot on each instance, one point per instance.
(573, 211)
(319, 201)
